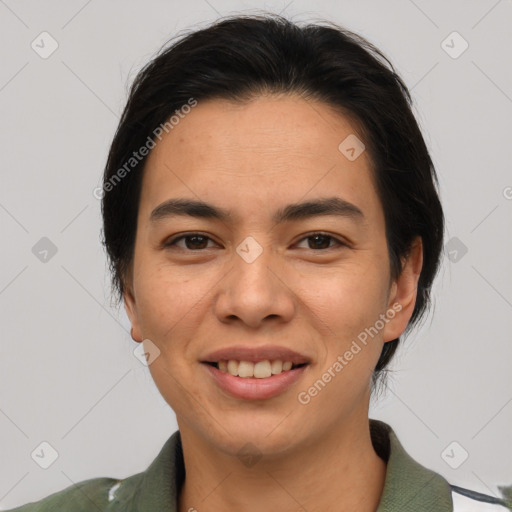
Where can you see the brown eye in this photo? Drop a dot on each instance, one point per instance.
(193, 242)
(319, 241)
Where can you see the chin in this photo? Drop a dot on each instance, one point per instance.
(248, 434)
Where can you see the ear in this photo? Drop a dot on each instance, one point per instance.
(130, 306)
(402, 294)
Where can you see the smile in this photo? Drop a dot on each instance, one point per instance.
(250, 387)
(258, 370)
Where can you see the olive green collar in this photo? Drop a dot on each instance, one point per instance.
(408, 484)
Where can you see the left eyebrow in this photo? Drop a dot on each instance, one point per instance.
(292, 212)
(326, 206)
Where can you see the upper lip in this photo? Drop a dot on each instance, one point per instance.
(255, 354)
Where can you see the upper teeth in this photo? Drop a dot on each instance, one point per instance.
(260, 370)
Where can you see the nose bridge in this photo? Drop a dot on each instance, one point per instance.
(252, 291)
(252, 263)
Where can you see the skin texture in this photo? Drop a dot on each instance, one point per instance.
(253, 159)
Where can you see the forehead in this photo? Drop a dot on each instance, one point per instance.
(269, 150)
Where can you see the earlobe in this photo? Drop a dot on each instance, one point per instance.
(402, 296)
(131, 310)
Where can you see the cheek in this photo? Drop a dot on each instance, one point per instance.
(176, 386)
(347, 306)
(171, 307)
(347, 299)
(168, 302)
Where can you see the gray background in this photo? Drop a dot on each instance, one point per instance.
(67, 369)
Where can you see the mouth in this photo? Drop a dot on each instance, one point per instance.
(250, 369)
(255, 373)
(256, 379)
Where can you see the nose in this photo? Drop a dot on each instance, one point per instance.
(256, 291)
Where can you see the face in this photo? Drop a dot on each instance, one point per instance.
(251, 278)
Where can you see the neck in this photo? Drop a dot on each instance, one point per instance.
(341, 472)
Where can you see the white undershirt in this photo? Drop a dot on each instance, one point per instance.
(465, 504)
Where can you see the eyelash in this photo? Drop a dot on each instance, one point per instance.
(172, 242)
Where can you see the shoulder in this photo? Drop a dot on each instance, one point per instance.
(466, 500)
(411, 486)
(99, 494)
(155, 488)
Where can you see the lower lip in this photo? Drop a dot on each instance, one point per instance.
(252, 388)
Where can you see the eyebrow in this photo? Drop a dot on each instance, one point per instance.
(292, 212)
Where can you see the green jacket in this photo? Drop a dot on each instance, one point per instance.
(408, 487)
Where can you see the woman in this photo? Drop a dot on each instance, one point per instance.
(273, 226)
